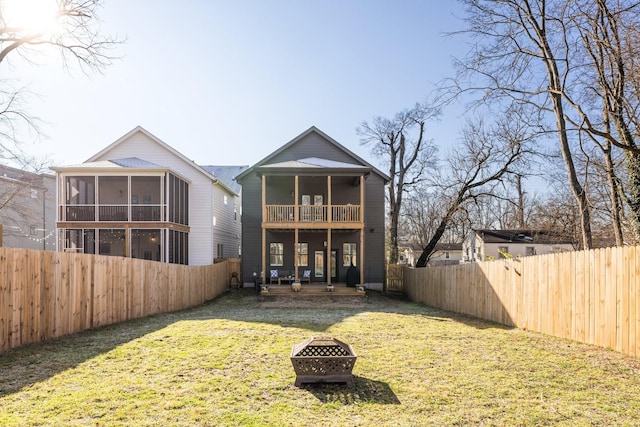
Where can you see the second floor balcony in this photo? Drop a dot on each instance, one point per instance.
(308, 215)
(113, 213)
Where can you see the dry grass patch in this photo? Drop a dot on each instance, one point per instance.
(227, 363)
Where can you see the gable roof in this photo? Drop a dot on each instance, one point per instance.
(522, 236)
(313, 162)
(129, 163)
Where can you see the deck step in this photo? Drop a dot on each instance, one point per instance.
(339, 290)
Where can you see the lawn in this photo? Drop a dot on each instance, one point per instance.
(226, 363)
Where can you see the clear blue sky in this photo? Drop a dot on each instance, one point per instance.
(228, 82)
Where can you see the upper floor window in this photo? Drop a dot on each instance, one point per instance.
(530, 250)
(113, 190)
(178, 200)
(226, 199)
(80, 190)
(34, 193)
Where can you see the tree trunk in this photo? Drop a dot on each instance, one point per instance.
(574, 183)
(614, 195)
(521, 221)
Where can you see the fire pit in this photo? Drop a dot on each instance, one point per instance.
(323, 359)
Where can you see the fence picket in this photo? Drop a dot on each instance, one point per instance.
(588, 296)
(46, 294)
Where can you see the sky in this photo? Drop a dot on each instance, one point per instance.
(229, 82)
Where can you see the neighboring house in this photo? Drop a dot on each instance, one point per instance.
(485, 245)
(444, 254)
(141, 198)
(313, 205)
(27, 209)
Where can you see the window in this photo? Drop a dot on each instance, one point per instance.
(303, 254)
(146, 243)
(32, 230)
(178, 247)
(111, 241)
(530, 250)
(225, 199)
(34, 193)
(215, 220)
(220, 250)
(349, 254)
(446, 255)
(276, 254)
(178, 200)
(235, 213)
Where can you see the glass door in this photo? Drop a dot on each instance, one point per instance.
(319, 265)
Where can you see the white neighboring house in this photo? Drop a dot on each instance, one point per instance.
(140, 198)
(444, 254)
(27, 209)
(486, 245)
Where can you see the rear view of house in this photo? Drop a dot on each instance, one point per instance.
(140, 198)
(311, 210)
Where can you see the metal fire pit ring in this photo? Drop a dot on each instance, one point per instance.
(323, 360)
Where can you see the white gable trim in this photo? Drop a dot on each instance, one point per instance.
(166, 146)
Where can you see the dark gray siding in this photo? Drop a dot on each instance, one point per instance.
(374, 229)
(251, 227)
(313, 145)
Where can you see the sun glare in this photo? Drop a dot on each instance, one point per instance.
(32, 15)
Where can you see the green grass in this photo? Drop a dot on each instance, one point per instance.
(227, 363)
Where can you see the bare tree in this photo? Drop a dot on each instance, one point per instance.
(487, 156)
(72, 28)
(404, 146)
(522, 54)
(606, 29)
(420, 215)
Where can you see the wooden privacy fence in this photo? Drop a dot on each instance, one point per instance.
(589, 296)
(46, 294)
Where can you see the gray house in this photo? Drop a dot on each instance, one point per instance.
(311, 210)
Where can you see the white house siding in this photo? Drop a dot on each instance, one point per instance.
(200, 189)
(28, 217)
(520, 249)
(226, 230)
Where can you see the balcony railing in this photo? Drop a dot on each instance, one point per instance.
(315, 213)
(113, 213)
(146, 213)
